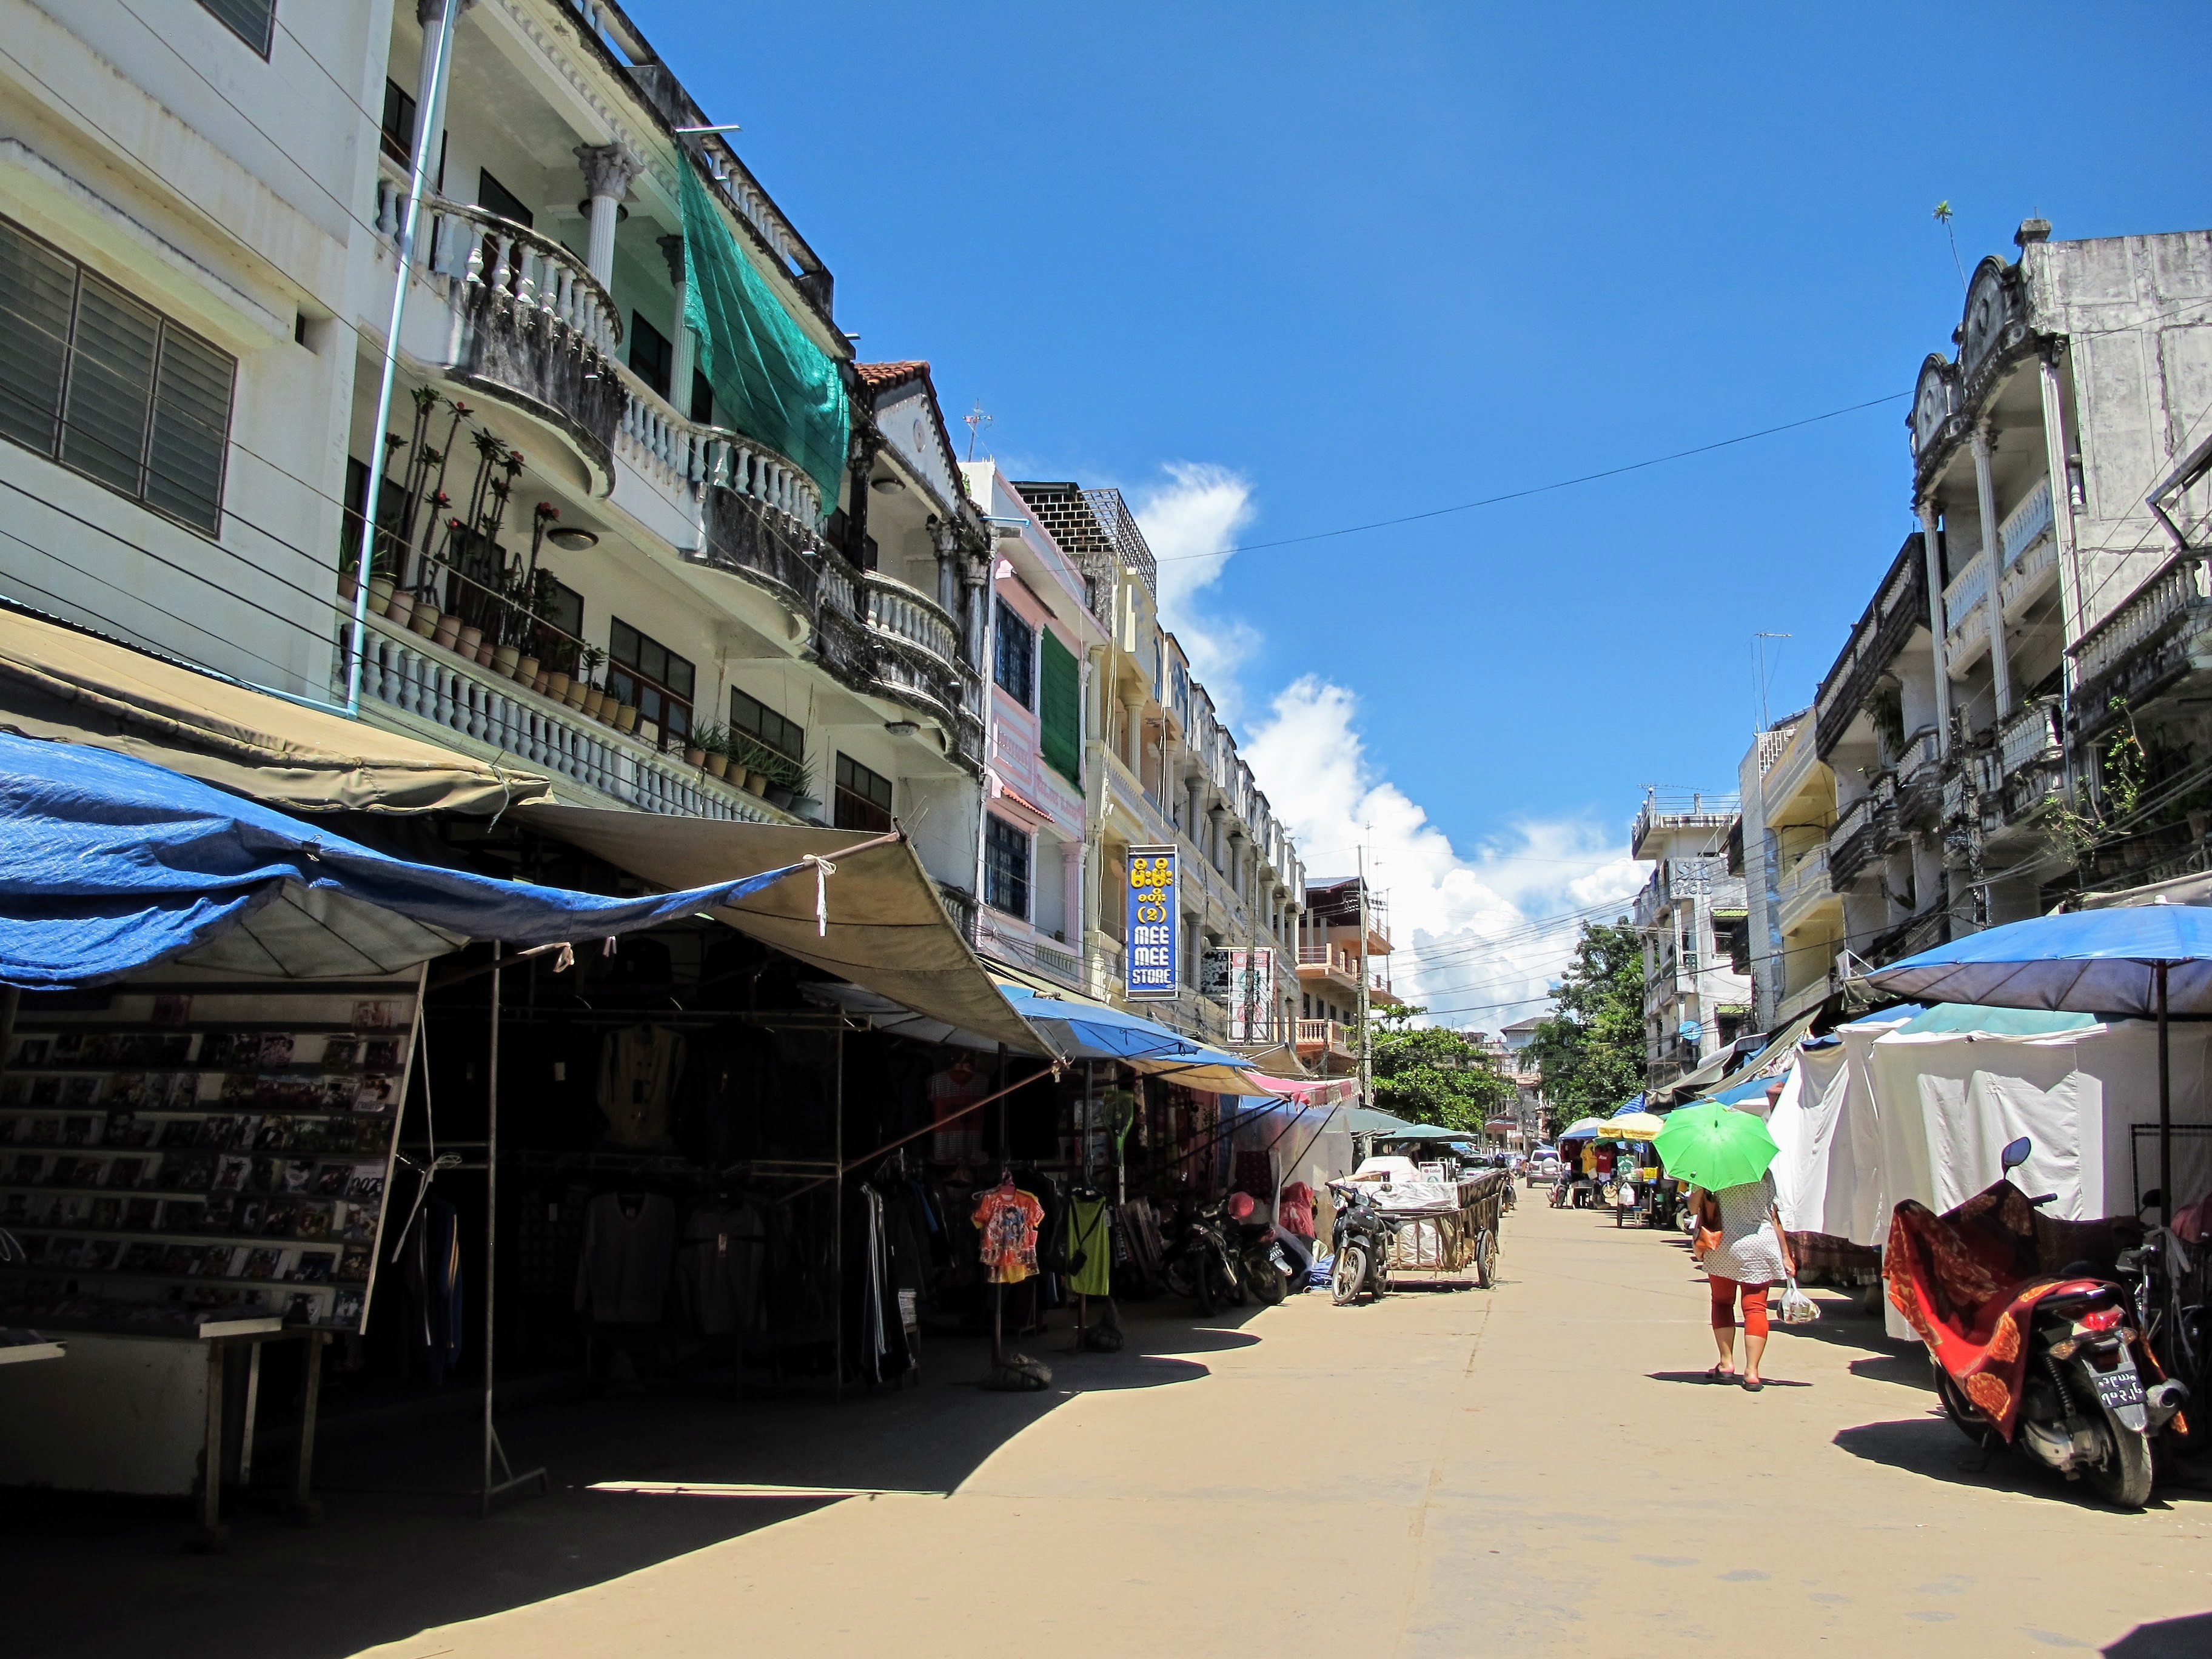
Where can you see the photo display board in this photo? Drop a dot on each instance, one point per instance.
(201, 1149)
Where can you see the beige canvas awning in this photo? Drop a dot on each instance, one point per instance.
(60, 683)
(889, 932)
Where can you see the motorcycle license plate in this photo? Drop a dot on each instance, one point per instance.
(2119, 1387)
(1275, 1255)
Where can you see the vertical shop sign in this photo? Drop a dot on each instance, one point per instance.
(1150, 970)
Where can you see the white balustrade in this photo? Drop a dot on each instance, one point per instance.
(1854, 818)
(406, 673)
(2029, 736)
(895, 609)
(2025, 522)
(1967, 590)
(2157, 603)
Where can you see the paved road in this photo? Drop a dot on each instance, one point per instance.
(1527, 1471)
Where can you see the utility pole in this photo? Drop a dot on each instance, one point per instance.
(1366, 1055)
(1759, 677)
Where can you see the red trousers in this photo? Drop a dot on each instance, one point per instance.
(1754, 1305)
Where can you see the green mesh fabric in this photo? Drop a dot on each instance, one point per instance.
(772, 382)
(1059, 708)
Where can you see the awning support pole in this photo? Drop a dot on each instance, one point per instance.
(492, 1448)
(2165, 1110)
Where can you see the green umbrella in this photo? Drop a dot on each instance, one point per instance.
(1715, 1146)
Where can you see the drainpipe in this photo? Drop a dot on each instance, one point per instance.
(429, 121)
(1929, 512)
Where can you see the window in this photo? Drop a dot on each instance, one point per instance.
(109, 387)
(1059, 708)
(1016, 654)
(495, 198)
(561, 621)
(1005, 867)
(651, 356)
(642, 672)
(702, 399)
(250, 21)
(864, 798)
(757, 720)
(399, 123)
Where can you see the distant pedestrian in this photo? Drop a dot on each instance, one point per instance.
(1741, 1243)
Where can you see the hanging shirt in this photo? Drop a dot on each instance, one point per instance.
(1087, 1237)
(1007, 1218)
(630, 1240)
(956, 1138)
(637, 1069)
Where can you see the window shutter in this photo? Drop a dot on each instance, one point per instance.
(1059, 708)
(111, 388)
(192, 421)
(250, 21)
(36, 289)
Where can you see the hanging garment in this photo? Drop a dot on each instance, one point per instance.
(1295, 1209)
(718, 1269)
(1090, 1250)
(432, 1259)
(638, 1067)
(629, 1239)
(1007, 1219)
(956, 1138)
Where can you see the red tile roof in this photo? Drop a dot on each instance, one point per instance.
(876, 376)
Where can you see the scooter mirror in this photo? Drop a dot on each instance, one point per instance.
(2016, 1153)
(2154, 1198)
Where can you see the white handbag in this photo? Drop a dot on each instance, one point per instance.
(1797, 1308)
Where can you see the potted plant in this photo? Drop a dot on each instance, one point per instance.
(708, 749)
(557, 667)
(626, 717)
(468, 641)
(449, 631)
(594, 696)
(379, 593)
(426, 617)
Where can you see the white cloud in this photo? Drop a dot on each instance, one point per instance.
(1200, 508)
(1476, 937)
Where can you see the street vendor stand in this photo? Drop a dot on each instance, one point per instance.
(1448, 1233)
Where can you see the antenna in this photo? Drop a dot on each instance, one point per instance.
(1761, 675)
(976, 419)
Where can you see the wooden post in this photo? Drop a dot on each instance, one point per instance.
(306, 1510)
(210, 1536)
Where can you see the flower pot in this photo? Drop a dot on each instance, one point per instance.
(347, 588)
(486, 652)
(449, 631)
(400, 609)
(593, 702)
(538, 682)
(649, 732)
(806, 806)
(758, 783)
(426, 619)
(526, 671)
(504, 659)
(778, 796)
(556, 687)
(719, 766)
(576, 693)
(467, 641)
(626, 717)
(380, 592)
(696, 757)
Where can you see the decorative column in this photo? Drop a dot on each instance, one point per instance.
(608, 170)
(2058, 452)
(1071, 880)
(1993, 550)
(1133, 735)
(1929, 512)
(681, 346)
(430, 13)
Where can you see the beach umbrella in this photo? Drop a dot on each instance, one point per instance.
(1714, 1146)
(1635, 1125)
(2146, 961)
(1588, 1128)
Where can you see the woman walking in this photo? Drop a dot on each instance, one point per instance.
(1742, 1247)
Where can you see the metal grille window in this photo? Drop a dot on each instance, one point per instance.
(1005, 867)
(1017, 666)
(252, 20)
(109, 387)
(757, 720)
(864, 798)
(645, 674)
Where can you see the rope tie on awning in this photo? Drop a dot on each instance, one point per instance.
(823, 869)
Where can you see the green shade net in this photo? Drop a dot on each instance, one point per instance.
(772, 381)
(1968, 1017)
(1059, 708)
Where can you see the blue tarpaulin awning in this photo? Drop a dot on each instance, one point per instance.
(109, 864)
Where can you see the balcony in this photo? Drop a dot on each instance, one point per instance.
(1862, 831)
(443, 697)
(1709, 815)
(526, 324)
(2026, 524)
(1324, 1038)
(1899, 607)
(1804, 883)
(2143, 647)
(1917, 932)
(1337, 962)
(1966, 614)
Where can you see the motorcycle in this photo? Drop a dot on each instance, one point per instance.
(2029, 1354)
(1203, 1265)
(1364, 1234)
(1262, 1262)
(2169, 1280)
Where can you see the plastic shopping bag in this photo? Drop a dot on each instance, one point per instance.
(1797, 1308)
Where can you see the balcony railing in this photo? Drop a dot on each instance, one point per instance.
(2030, 736)
(404, 671)
(1967, 590)
(1807, 877)
(1923, 752)
(2160, 602)
(2025, 523)
(905, 613)
(1880, 633)
(1324, 1034)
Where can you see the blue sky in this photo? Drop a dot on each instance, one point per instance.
(1278, 270)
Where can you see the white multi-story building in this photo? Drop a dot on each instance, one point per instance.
(1690, 914)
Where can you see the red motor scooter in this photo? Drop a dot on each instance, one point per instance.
(2031, 1334)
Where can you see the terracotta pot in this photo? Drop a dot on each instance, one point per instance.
(538, 682)
(486, 652)
(347, 588)
(593, 701)
(649, 732)
(757, 782)
(577, 692)
(468, 641)
(526, 671)
(425, 620)
(556, 687)
(449, 631)
(719, 765)
(696, 757)
(626, 717)
(379, 593)
(400, 609)
(504, 659)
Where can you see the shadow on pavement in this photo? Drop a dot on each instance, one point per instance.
(1931, 1446)
(2169, 1638)
(401, 1548)
(1910, 1369)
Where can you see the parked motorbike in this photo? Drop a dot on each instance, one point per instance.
(2169, 1284)
(2061, 1371)
(1203, 1265)
(1262, 1262)
(1363, 1245)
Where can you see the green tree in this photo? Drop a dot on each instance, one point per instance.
(1426, 1074)
(1591, 1050)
